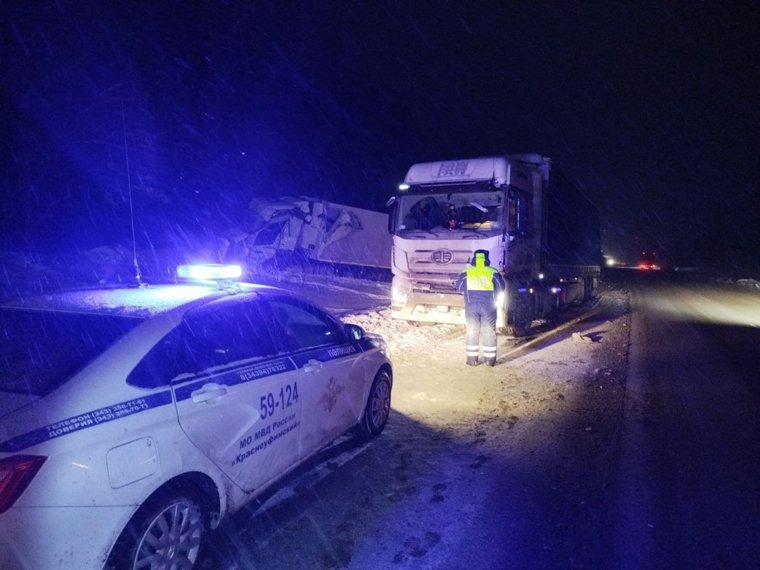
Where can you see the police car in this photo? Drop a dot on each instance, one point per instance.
(133, 420)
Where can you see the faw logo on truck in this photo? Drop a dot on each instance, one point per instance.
(453, 168)
(442, 256)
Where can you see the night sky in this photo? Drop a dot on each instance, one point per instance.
(650, 107)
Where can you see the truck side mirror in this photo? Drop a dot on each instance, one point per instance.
(392, 205)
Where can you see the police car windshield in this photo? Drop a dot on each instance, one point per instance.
(41, 350)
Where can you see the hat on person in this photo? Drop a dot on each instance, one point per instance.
(481, 254)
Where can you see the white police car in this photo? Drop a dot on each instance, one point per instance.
(132, 420)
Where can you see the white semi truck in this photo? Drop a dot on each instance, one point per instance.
(314, 235)
(541, 233)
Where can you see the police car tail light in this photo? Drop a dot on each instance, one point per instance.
(15, 475)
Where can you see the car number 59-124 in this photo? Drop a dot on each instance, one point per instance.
(270, 402)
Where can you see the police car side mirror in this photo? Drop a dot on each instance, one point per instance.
(354, 332)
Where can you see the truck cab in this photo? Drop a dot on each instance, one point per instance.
(446, 210)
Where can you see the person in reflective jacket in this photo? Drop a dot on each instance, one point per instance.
(480, 283)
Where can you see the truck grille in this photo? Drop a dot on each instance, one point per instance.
(440, 260)
(442, 256)
(434, 287)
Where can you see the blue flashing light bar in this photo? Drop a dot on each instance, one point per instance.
(209, 272)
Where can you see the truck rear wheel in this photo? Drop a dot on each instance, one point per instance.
(588, 288)
(516, 330)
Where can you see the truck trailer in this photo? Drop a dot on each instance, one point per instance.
(315, 235)
(541, 232)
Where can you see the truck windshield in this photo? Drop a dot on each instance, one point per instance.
(455, 212)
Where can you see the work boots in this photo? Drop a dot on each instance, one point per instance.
(473, 361)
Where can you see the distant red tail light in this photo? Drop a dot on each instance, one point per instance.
(15, 475)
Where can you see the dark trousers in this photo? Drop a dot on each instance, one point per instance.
(480, 316)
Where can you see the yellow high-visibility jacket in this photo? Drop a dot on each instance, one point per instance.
(480, 281)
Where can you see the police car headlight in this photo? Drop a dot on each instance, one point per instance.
(378, 342)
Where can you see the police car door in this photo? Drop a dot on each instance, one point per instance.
(241, 405)
(330, 384)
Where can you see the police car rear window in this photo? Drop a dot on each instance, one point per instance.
(41, 350)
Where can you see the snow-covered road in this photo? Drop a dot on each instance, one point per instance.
(484, 467)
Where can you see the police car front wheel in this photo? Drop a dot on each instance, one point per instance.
(167, 532)
(378, 406)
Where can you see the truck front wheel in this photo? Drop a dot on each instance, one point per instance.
(519, 313)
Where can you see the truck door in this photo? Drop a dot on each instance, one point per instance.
(240, 404)
(521, 256)
(329, 381)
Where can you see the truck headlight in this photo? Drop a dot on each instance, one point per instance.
(398, 296)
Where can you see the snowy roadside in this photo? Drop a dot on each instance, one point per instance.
(529, 443)
(480, 463)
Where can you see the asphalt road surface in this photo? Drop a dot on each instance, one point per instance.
(689, 478)
(627, 439)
